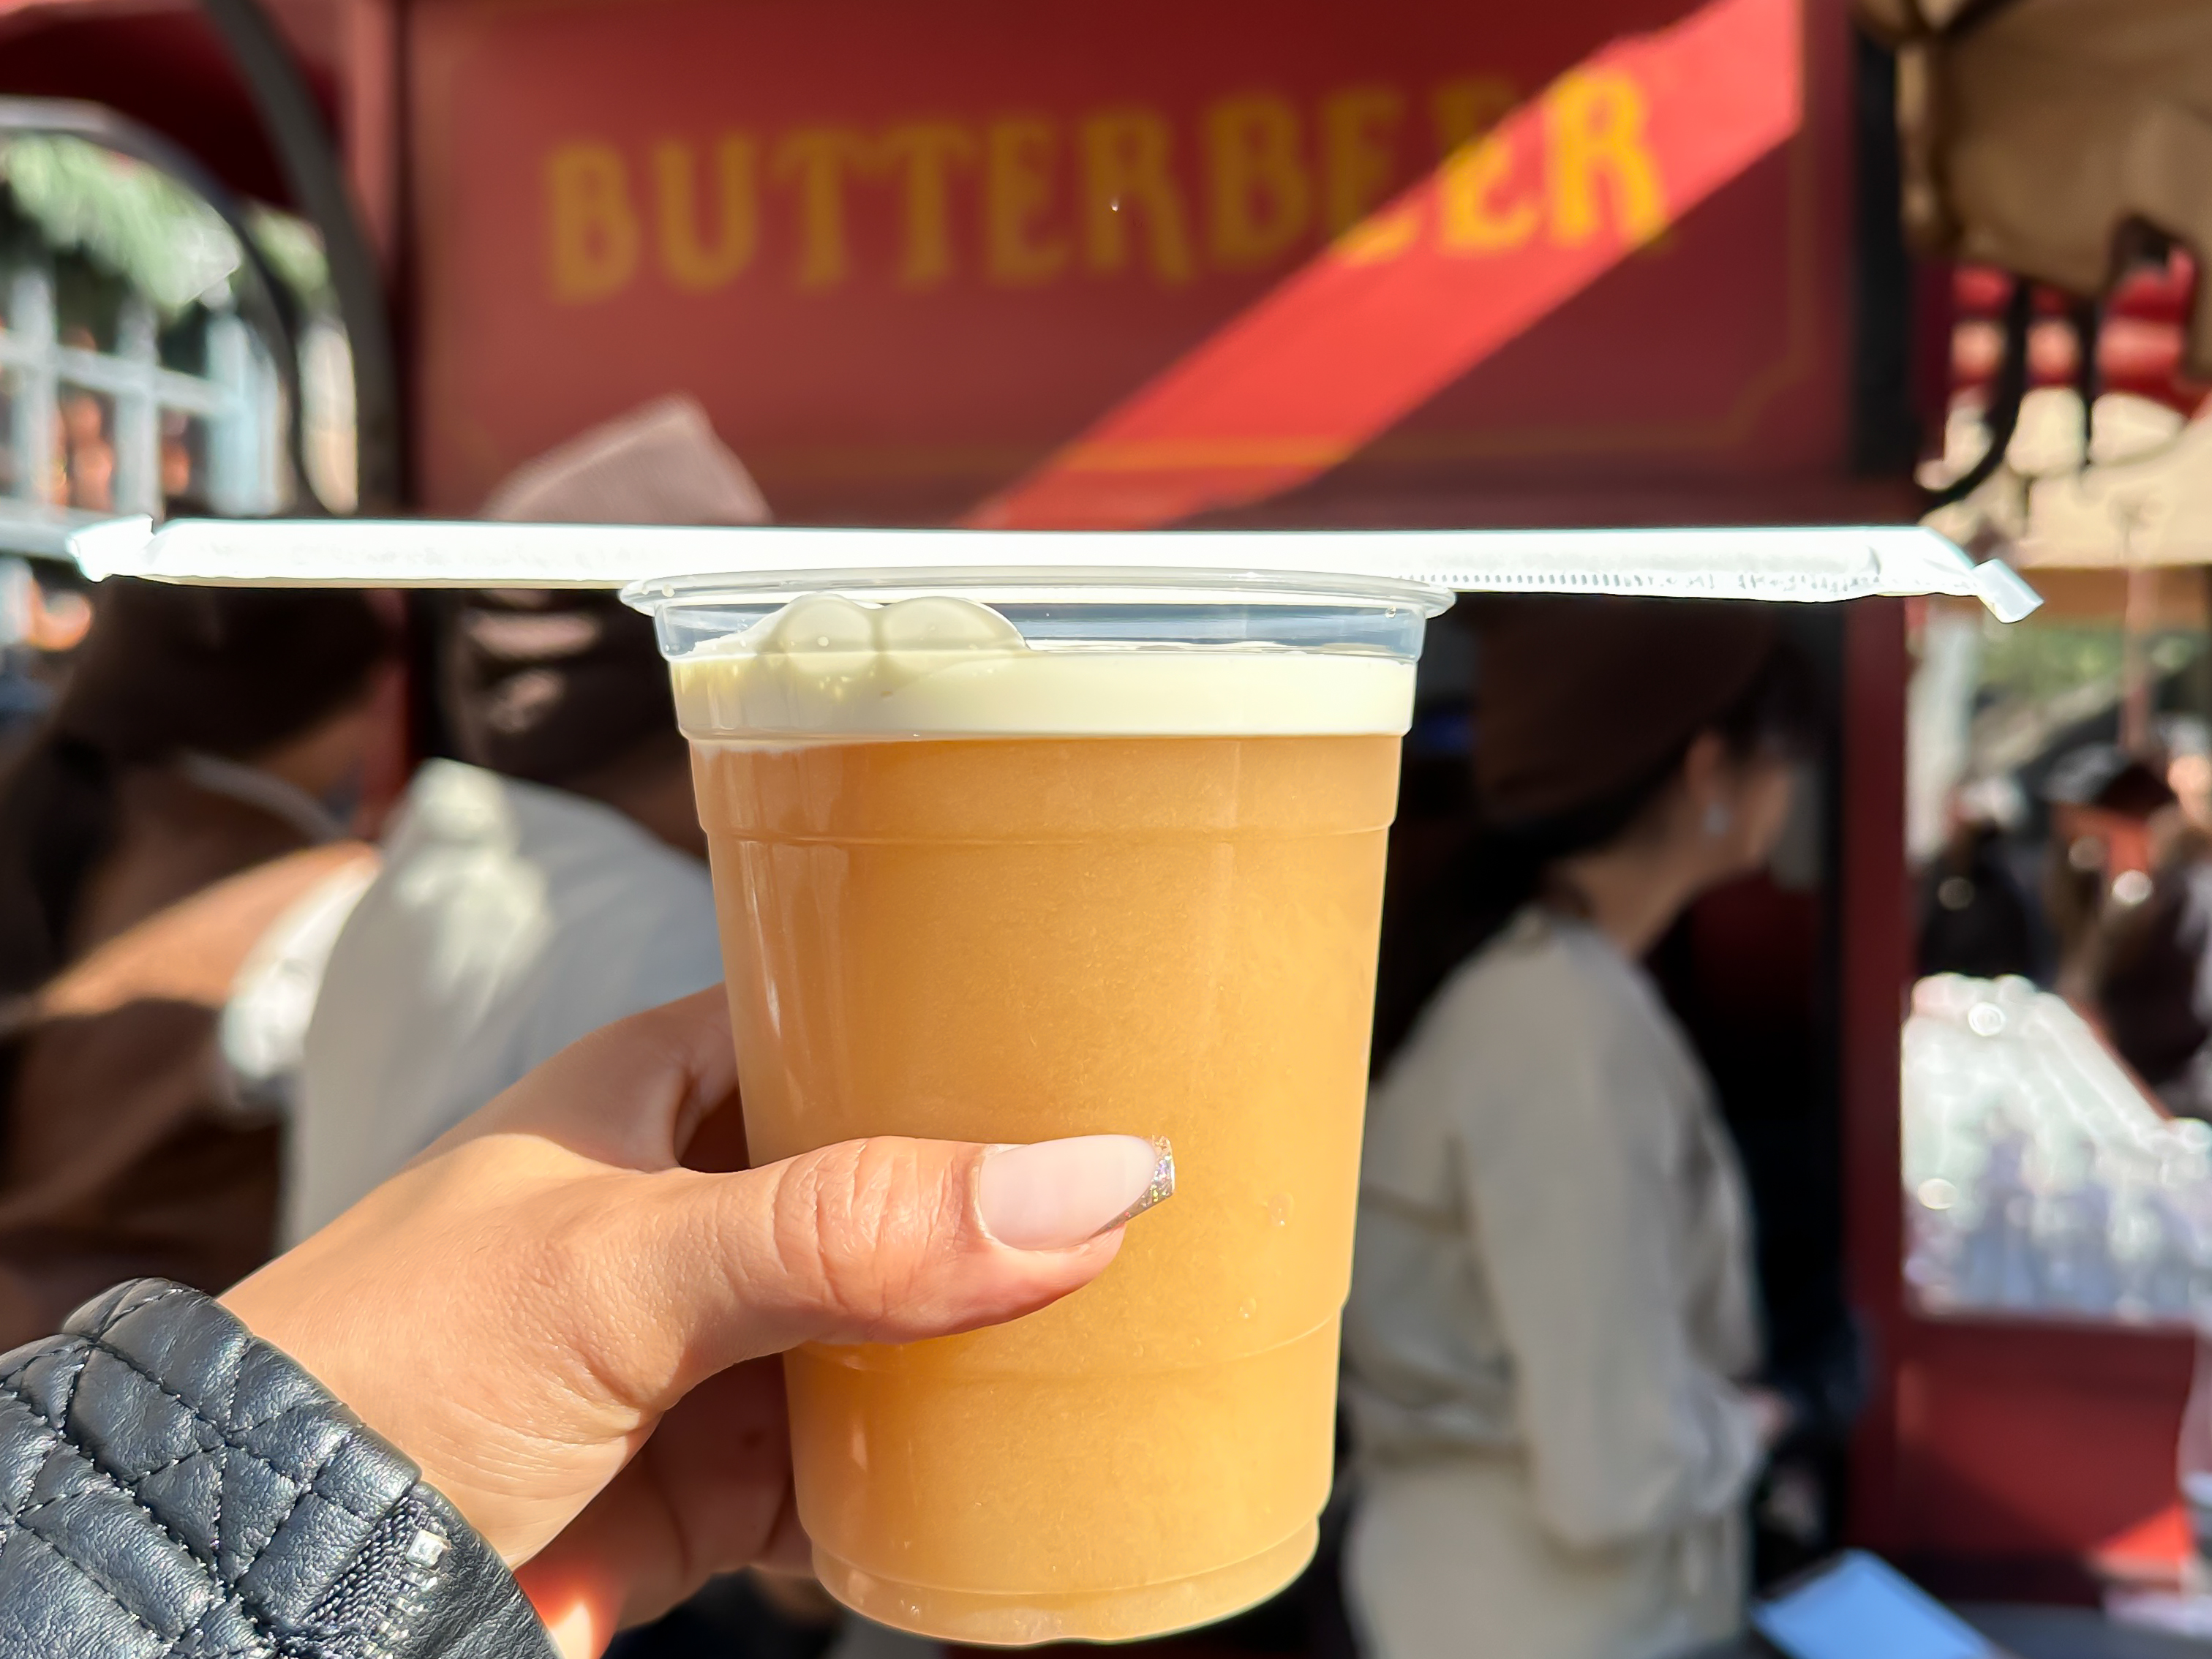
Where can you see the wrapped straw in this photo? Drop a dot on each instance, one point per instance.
(1817, 564)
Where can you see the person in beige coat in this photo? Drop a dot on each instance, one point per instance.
(1552, 1326)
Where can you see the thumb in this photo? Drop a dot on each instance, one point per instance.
(886, 1240)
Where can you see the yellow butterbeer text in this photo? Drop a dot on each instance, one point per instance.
(1251, 182)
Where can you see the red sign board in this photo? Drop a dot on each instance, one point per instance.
(1507, 228)
(907, 254)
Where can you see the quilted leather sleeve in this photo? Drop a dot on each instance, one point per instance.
(171, 1484)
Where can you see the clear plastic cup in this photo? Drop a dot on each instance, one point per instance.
(1004, 856)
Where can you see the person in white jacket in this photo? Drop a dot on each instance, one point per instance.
(552, 880)
(1552, 1323)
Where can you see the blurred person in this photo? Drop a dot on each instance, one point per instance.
(552, 880)
(2149, 972)
(2129, 870)
(1976, 915)
(2103, 804)
(2149, 963)
(1553, 1330)
(38, 627)
(2188, 775)
(526, 1391)
(2185, 741)
(87, 457)
(187, 788)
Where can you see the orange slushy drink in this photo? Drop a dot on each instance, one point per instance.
(977, 886)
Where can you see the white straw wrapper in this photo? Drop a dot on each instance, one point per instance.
(1801, 564)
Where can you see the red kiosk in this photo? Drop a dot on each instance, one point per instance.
(1624, 261)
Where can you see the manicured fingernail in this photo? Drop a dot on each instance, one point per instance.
(1054, 1194)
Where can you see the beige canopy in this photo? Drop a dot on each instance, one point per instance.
(2153, 512)
(2143, 498)
(2036, 131)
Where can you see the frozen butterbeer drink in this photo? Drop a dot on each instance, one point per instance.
(1006, 858)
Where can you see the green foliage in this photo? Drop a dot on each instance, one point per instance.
(136, 224)
(2033, 661)
(132, 221)
(2037, 663)
(295, 253)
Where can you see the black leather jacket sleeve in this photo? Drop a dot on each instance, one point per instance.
(171, 1484)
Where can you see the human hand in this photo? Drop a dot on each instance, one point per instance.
(572, 1334)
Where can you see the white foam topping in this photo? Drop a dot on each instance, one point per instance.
(935, 665)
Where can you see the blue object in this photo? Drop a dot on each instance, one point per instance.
(1863, 1608)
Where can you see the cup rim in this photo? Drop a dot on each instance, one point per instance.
(1036, 583)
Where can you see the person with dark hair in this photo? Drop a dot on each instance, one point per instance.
(2105, 806)
(2131, 878)
(186, 788)
(551, 879)
(1975, 916)
(218, 723)
(1551, 1325)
